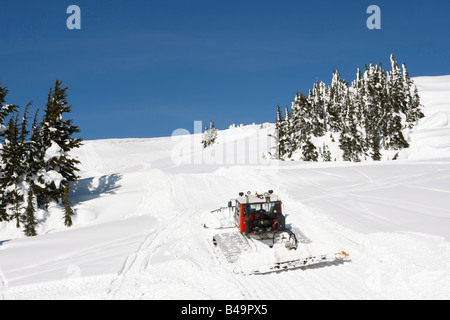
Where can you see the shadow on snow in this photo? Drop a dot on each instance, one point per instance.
(91, 188)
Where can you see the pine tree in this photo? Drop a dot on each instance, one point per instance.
(288, 141)
(58, 141)
(412, 105)
(326, 153)
(36, 161)
(376, 155)
(68, 211)
(12, 197)
(29, 163)
(318, 109)
(369, 115)
(23, 145)
(374, 114)
(209, 136)
(415, 110)
(338, 102)
(351, 139)
(5, 109)
(302, 125)
(309, 152)
(357, 94)
(280, 137)
(5, 180)
(29, 219)
(395, 105)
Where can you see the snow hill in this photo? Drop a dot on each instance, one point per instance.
(140, 204)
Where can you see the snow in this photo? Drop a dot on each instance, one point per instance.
(140, 205)
(53, 151)
(430, 139)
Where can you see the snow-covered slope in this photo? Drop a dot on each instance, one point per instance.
(140, 203)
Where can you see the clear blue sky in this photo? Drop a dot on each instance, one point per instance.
(146, 68)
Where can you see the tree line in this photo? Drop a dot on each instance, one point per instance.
(352, 122)
(36, 167)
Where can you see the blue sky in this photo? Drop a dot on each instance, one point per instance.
(141, 69)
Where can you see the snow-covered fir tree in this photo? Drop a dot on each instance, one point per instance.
(412, 107)
(37, 170)
(29, 219)
(57, 141)
(280, 137)
(209, 136)
(303, 124)
(14, 170)
(325, 153)
(8, 180)
(309, 151)
(35, 166)
(338, 103)
(289, 139)
(396, 103)
(5, 111)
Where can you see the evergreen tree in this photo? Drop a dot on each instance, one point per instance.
(414, 113)
(5, 180)
(351, 139)
(395, 105)
(318, 109)
(23, 170)
(376, 155)
(326, 153)
(12, 197)
(357, 94)
(36, 161)
(29, 219)
(413, 107)
(374, 114)
(302, 126)
(288, 141)
(309, 152)
(338, 102)
(28, 164)
(280, 137)
(5, 109)
(209, 136)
